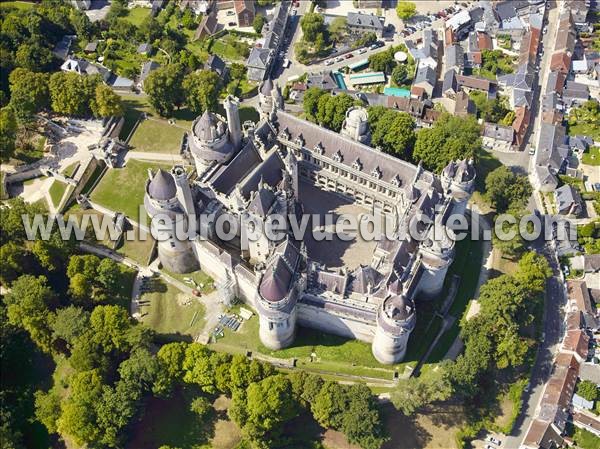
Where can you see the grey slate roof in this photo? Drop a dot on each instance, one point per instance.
(498, 132)
(216, 64)
(364, 21)
(277, 279)
(147, 68)
(455, 56)
(162, 187)
(350, 150)
(239, 167)
(425, 74)
(322, 80)
(449, 82)
(567, 199)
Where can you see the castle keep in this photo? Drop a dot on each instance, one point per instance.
(285, 165)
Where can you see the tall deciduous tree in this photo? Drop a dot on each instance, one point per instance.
(406, 10)
(28, 306)
(28, 92)
(165, 89)
(107, 103)
(8, 133)
(202, 91)
(506, 190)
(449, 139)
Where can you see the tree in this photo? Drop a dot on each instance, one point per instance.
(164, 88)
(512, 246)
(108, 103)
(79, 418)
(587, 113)
(416, 392)
(110, 325)
(311, 101)
(188, 19)
(263, 408)
(140, 370)
(72, 94)
(506, 190)
(338, 28)
(47, 409)
(258, 23)
(201, 406)
(383, 61)
(588, 390)
(313, 25)
(198, 367)
(361, 422)
(15, 262)
(202, 91)
(399, 74)
(406, 10)
(28, 92)
(28, 306)
(533, 271)
(331, 110)
(330, 404)
(449, 139)
(509, 118)
(70, 324)
(8, 133)
(393, 131)
(170, 358)
(34, 57)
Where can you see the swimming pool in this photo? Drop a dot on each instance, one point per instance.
(396, 92)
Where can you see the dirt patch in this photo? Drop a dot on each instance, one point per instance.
(222, 403)
(227, 435)
(337, 440)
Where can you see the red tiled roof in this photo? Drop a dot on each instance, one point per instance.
(561, 61)
(484, 41)
(449, 36)
(577, 341)
(418, 91)
(241, 5)
(578, 293)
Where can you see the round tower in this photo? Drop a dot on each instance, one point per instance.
(277, 295)
(395, 321)
(209, 141)
(458, 180)
(232, 105)
(165, 210)
(436, 257)
(265, 97)
(356, 125)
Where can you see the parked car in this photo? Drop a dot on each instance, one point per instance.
(230, 13)
(348, 55)
(362, 50)
(294, 11)
(339, 59)
(286, 63)
(493, 440)
(232, 24)
(329, 62)
(597, 186)
(196, 293)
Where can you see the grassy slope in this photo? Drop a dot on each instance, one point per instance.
(122, 189)
(57, 191)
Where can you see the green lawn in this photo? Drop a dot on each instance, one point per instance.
(17, 5)
(122, 189)
(57, 191)
(138, 250)
(467, 265)
(137, 15)
(70, 170)
(171, 313)
(334, 354)
(585, 439)
(202, 279)
(3, 194)
(592, 156)
(157, 137)
(585, 129)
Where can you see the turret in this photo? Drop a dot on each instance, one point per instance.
(277, 296)
(436, 257)
(231, 105)
(176, 253)
(458, 180)
(395, 321)
(356, 125)
(210, 141)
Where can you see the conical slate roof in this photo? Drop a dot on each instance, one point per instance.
(162, 187)
(398, 308)
(206, 127)
(266, 87)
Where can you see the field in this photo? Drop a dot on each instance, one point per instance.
(137, 15)
(138, 250)
(592, 156)
(57, 191)
(16, 5)
(122, 189)
(157, 137)
(204, 281)
(164, 311)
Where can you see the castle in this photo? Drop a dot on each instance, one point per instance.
(273, 167)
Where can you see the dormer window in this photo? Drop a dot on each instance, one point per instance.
(338, 156)
(396, 181)
(376, 173)
(285, 134)
(319, 148)
(357, 164)
(299, 140)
